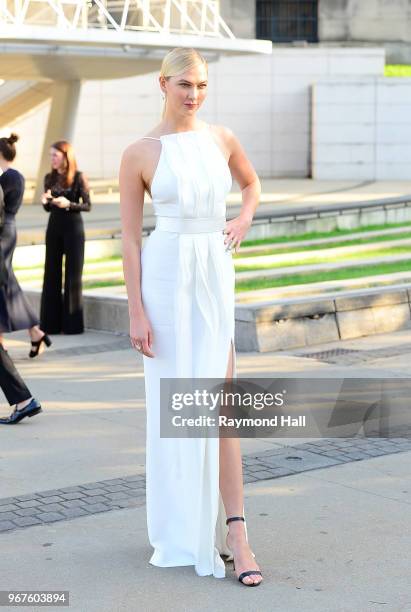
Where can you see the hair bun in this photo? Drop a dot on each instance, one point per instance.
(12, 138)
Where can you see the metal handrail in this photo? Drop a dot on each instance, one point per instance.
(323, 210)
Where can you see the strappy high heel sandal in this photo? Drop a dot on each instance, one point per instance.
(37, 344)
(249, 572)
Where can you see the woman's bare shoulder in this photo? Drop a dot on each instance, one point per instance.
(136, 152)
(226, 138)
(138, 146)
(224, 134)
(222, 130)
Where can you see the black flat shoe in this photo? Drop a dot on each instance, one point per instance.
(37, 344)
(30, 410)
(249, 572)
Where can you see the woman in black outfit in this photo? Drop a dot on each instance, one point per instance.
(11, 383)
(15, 310)
(66, 194)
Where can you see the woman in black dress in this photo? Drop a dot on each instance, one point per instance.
(66, 194)
(15, 310)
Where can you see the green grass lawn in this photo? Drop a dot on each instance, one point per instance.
(106, 266)
(397, 70)
(87, 261)
(281, 239)
(92, 284)
(325, 245)
(316, 277)
(326, 259)
(294, 279)
(332, 234)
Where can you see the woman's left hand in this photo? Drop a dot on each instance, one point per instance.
(236, 229)
(61, 202)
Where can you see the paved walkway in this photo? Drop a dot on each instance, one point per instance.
(328, 528)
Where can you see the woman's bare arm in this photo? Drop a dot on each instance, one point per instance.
(131, 211)
(243, 172)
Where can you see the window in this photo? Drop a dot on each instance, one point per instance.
(287, 20)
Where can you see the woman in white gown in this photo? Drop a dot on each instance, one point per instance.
(181, 303)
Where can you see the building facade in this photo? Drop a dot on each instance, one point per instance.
(311, 109)
(352, 22)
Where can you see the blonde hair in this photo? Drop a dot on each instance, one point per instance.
(179, 60)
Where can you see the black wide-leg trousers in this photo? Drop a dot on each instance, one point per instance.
(64, 236)
(11, 383)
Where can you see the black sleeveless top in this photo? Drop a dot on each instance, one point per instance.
(12, 183)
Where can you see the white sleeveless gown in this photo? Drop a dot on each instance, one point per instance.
(187, 287)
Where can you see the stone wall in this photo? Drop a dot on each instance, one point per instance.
(374, 21)
(361, 129)
(239, 15)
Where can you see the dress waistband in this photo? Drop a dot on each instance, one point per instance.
(195, 225)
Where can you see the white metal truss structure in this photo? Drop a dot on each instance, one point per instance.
(195, 17)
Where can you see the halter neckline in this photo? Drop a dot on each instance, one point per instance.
(203, 129)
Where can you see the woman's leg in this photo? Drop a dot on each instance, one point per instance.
(231, 487)
(11, 383)
(16, 312)
(35, 333)
(73, 322)
(51, 299)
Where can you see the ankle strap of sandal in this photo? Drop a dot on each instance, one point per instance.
(234, 518)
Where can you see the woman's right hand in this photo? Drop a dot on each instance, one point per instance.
(46, 195)
(141, 335)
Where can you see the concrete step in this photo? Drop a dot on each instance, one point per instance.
(296, 322)
(30, 279)
(321, 253)
(283, 323)
(395, 280)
